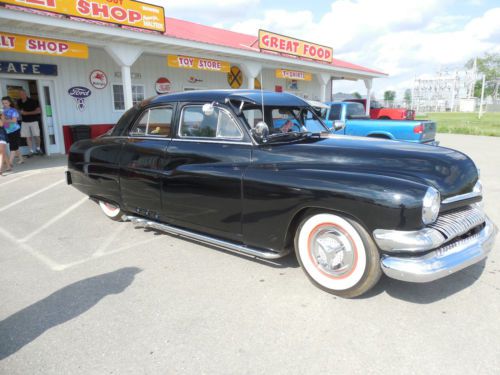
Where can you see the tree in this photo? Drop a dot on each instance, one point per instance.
(408, 97)
(489, 65)
(389, 97)
(356, 95)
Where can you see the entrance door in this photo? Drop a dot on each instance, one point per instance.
(51, 135)
(11, 87)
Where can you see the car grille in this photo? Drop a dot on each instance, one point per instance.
(457, 223)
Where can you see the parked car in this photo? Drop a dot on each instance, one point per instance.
(239, 170)
(358, 124)
(377, 111)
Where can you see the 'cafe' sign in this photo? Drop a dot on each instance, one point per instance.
(283, 44)
(122, 12)
(42, 46)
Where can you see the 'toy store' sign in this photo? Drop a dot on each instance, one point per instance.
(122, 12)
(42, 46)
(197, 63)
(283, 44)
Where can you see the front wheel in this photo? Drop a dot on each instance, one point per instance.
(112, 211)
(337, 254)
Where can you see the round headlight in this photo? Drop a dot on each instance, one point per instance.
(430, 205)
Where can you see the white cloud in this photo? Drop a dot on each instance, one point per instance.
(209, 12)
(402, 38)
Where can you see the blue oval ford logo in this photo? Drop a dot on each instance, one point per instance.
(79, 92)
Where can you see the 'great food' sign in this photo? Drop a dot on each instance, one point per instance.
(123, 12)
(283, 44)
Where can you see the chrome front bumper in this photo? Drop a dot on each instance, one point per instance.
(444, 260)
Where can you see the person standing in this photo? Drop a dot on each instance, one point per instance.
(9, 118)
(3, 149)
(30, 125)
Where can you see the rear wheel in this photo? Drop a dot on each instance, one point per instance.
(114, 212)
(337, 254)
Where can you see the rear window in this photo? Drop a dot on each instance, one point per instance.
(194, 123)
(355, 110)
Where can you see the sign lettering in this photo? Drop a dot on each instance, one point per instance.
(196, 63)
(41, 46)
(15, 67)
(283, 44)
(122, 12)
(293, 74)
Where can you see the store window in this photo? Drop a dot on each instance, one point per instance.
(119, 98)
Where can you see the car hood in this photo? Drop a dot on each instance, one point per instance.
(449, 171)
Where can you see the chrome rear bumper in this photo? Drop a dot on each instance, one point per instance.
(444, 260)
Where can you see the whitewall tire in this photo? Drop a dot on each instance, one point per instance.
(112, 211)
(337, 254)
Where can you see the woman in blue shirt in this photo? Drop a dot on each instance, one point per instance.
(9, 118)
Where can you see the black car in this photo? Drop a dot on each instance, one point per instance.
(209, 166)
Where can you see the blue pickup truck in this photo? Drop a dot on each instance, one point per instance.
(358, 124)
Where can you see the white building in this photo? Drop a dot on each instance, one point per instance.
(85, 71)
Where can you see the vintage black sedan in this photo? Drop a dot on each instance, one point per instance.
(258, 173)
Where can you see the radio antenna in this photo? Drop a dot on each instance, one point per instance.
(262, 95)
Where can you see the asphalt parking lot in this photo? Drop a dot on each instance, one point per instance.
(81, 294)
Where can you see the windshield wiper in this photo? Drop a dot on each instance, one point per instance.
(290, 137)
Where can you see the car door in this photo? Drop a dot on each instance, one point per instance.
(208, 156)
(143, 160)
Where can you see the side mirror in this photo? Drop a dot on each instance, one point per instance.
(338, 125)
(261, 130)
(208, 109)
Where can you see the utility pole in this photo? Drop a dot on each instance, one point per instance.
(482, 98)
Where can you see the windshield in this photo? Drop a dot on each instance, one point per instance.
(376, 105)
(283, 121)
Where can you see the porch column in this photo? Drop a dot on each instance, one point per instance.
(251, 70)
(125, 56)
(368, 85)
(323, 79)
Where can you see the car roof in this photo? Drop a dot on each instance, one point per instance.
(253, 96)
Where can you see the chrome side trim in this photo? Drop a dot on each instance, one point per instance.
(146, 223)
(443, 261)
(461, 197)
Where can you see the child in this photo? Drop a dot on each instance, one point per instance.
(10, 116)
(3, 149)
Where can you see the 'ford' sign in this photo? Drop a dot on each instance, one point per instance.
(80, 93)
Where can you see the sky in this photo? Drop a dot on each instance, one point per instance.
(403, 38)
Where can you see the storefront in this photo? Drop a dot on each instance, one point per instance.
(86, 62)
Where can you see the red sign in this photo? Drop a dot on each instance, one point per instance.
(98, 79)
(162, 85)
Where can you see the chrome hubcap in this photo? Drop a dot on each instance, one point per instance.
(332, 251)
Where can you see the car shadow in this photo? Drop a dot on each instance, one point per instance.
(67, 303)
(425, 293)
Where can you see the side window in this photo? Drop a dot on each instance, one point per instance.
(335, 112)
(154, 122)
(355, 109)
(218, 125)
